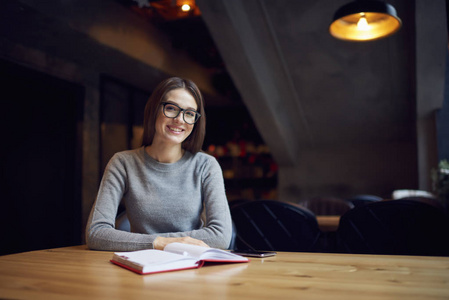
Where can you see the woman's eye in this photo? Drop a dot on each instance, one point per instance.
(170, 108)
(190, 114)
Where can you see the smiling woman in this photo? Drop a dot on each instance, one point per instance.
(172, 90)
(166, 185)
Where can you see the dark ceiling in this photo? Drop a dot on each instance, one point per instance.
(189, 33)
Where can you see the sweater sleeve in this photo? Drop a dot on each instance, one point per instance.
(100, 232)
(218, 227)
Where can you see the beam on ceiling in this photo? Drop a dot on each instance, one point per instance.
(248, 45)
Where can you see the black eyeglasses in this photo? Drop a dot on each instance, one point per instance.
(172, 110)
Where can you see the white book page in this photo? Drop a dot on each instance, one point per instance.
(186, 249)
(201, 252)
(217, 254)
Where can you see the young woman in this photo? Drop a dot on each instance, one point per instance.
(172, 191)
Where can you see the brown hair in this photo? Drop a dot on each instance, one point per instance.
(194, 142)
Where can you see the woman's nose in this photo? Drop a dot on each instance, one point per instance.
(180, 117)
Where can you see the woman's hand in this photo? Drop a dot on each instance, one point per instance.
(160, 242)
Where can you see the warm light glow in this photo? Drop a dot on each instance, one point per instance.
(362, 24)
(185, 7)
(369, 26)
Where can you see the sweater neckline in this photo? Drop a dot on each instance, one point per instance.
(164, 166)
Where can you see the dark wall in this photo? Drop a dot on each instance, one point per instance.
(443, 121)
(40, 154)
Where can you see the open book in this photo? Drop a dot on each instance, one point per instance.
(175, 256)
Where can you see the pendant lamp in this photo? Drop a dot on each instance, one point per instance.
(365, 20)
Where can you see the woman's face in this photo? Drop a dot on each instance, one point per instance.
(174, 130)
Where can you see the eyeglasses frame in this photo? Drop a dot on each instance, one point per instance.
(183, 110)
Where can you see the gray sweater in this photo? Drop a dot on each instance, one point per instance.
(164, 200)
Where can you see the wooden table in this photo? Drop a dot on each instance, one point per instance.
(78, 273)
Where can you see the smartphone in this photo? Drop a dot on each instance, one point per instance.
(254, 253)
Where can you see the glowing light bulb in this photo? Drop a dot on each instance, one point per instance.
(362, 24)
(185, 7)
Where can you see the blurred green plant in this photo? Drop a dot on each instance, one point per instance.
(440, 180)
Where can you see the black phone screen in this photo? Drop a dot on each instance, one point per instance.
(254, 253)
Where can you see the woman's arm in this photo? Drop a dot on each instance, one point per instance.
(217, 230)
(100, 231)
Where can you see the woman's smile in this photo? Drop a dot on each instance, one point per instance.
(175, 130)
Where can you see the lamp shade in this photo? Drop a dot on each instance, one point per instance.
(365, 21)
